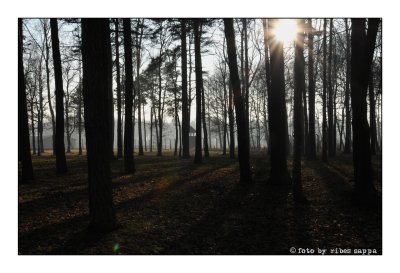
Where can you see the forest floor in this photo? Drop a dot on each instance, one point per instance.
(171, 206)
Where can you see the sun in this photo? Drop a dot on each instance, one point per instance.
(285, 30)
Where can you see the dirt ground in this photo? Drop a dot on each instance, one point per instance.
(171, 206)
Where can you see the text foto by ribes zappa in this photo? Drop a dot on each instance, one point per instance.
(337, 250)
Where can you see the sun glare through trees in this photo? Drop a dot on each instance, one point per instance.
(200, 136)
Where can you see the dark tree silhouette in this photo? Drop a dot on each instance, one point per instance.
(277, 112)
(267, 64)
(242, 135)
(299, 89)
(347, 144)
(139, 37)
(311, 151)
(324, 125)
(128, 145)
(96, 56)
(198, 157)
(331, 127)
(119, 104)
(372, 114)
(362, 48)
(61, 162)
(24, 150)
(185, 109)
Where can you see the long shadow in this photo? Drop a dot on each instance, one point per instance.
(245, 221)
(58, 234)
(360, 227)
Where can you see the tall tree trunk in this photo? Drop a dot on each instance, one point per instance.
(198, 157)
(362, 46)
(138, 89)
(80, 115)
(246, 76)
(277, 113)
(129, 162)
(96, 56)
(119, 103)
(24, 150)
(243, 136)
(61, 162)
(231, 123)
(299, 90)
(331, 151)
(225, 116)
(372, 115)
(185, 110)
(324, 125)
(268, 76)
(347, 144)
(144, 130)
(47, 59)
(311, 150)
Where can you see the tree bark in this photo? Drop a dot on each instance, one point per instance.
(243, 136)
(96, 55)
(129, 162)
(61, 163)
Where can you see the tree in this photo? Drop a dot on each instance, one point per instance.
(96, 56)
(277, 112)
(24, 150)
(324, 125)
(242, 135)
(347, 144)
(331, 127)
(139, 37)
(128, 143)
(198, 157)
(118, 79)
(362, 48)
(311, 151)
(61, 162)
(299, 89)
(185, 109)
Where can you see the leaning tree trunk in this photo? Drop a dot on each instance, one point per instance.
(96, 53)
(24, 150)
(331, 127)
(61, 162)
(242, 135)
(362, 48)
(277, 113)
(129, 162)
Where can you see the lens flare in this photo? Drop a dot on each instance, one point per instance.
(285, 30)
(115, 247)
